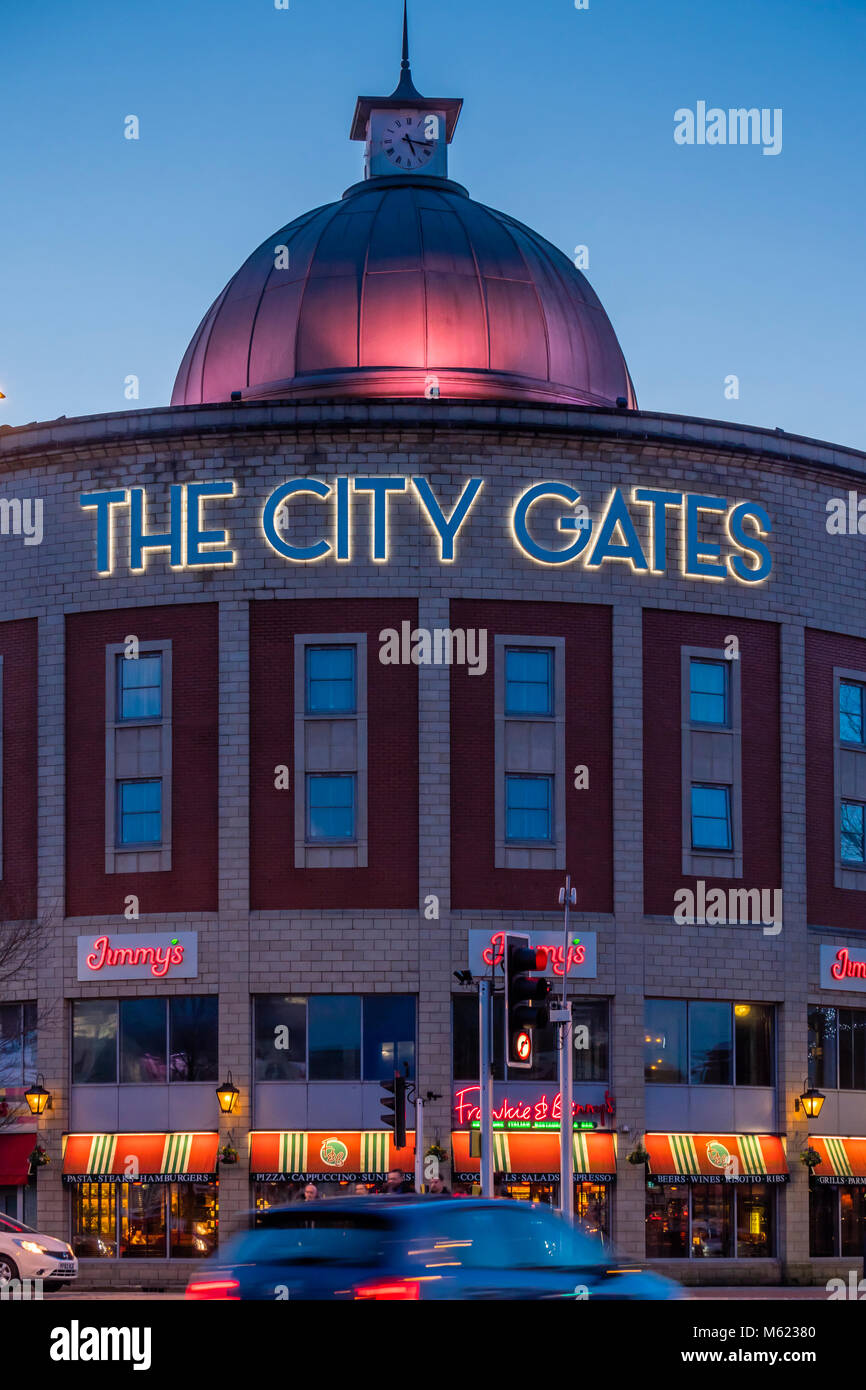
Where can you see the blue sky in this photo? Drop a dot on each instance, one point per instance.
(710, 260)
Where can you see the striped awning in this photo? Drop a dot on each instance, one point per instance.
(299, 1155)
(843, 1161)
(533, 1155)
(147, 1158)
(716, 1157)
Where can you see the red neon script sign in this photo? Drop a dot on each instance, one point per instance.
(494, 953)
(845, 968)
(466, 1110)
(159, 958)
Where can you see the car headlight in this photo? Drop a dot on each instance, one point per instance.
(33, 1247)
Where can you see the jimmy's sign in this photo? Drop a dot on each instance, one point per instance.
(651, 530)
(487, 949)
(158, 957)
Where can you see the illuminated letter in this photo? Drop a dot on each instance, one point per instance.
(196, 538)
(749, 544)
(696, 566)
(171, 540)
(272, 506)
(343, 546)
(605, 548)
(658, 501)
(103, 502)
(447, 527)
(566, 523)
(380, 487)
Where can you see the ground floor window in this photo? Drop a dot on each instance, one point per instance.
(591, 1201)
(19, 1202)
(836, 1216)
(710, 1220)
(135, 1220)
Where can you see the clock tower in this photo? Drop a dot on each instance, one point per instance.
(406, 133)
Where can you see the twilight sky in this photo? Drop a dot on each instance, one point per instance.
(711, 260)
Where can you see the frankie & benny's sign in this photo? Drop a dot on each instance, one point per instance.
(695, 534)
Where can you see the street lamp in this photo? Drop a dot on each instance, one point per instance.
(811, 1101)
(227, 1095)
(37, 1097)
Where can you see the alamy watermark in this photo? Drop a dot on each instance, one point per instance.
(439, 646)
(22, 518)
(729, 907)
(737, 126)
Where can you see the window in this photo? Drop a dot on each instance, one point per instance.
(711, 818)
(529, 809)
(17, 1044)
(330, 680)
(708, 1043)
(852, 727)
(837, 1048)
(823, 1053)
(708, 692)
(139, 813)
(836, 1220)
(142, 1220)
(851, 848)
(590, 1065)
(139, 686)
(144, 1041)
(710, 1221)
(528, 681)
(852, 1049)
(330, 807)
(333, 1037)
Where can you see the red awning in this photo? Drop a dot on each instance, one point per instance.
(843, 1161)
(15, 1151)
(140, 1157)
(716, 1157)
(534, 1154)
(323, 1155)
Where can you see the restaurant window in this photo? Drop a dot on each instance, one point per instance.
(837, 1048)
(711, 817)
(528, 680)
(852, 727)
(590, 1065)
(710, 1221)
(138, 1220)
(144, 1041)
(836, 1217)
(333, 1037)
(708, 692)
(708, 1043)
(851, 842)
(17, 1044)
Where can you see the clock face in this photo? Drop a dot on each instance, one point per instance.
(409, 142)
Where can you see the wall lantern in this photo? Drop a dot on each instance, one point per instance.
(811, 1100)
(37, 1097)
(227, 1095)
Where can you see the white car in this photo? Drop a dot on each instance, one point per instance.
(25, 1254)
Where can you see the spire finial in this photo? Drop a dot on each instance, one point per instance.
(404, 66)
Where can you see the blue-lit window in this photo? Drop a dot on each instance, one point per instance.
(852, 849)
(389, 1035)
(711, 818)
(330, 806)
(139, 686)
(139, 813)
(852, 728)
(528, 680)
(330, 680)
(709, 692)
(529, 809)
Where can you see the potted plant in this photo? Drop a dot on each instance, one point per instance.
(228, 1154)
(39, 1158)
(436, 1151)
(638, 1154)
(810, 1158)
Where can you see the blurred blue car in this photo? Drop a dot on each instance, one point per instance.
(406, 1248)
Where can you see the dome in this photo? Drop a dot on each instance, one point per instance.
(400, 281)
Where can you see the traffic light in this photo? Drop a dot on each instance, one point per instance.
(394, 1108)
(525, 998)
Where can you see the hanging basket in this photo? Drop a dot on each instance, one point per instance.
(638, 1156)
(228, 1155)
(810, 1158)
(39, 1158)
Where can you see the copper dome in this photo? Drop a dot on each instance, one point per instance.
(399, 282)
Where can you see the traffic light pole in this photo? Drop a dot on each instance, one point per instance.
(419, 1143)
(485, 1050)
(568, 897)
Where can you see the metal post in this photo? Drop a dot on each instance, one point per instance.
(419, 1144)
(485, 1079)
(566, 1132)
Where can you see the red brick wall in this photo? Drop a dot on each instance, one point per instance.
(827, 905)
(664, 634)
(18, 646)
(475, 881)
(191, 883)
(390, 879)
